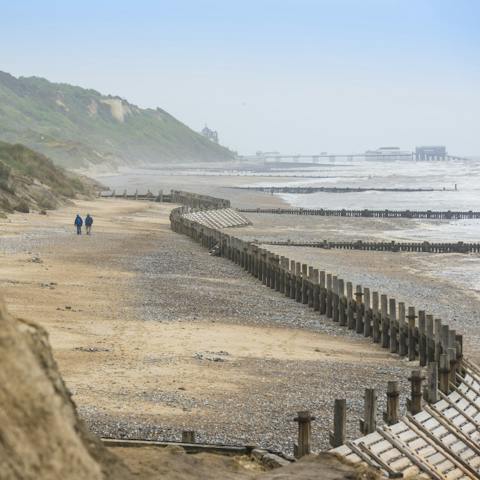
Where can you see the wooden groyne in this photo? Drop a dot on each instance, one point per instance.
(307, 190)
(148, 196)
(430, 247)
(423, 214)
(439, 437)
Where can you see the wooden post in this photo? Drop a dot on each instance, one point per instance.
(393, 326)
(412, 352)
(432, 387)
(376, 319)
(337, 436)
(304, 284)
(359, 309)
(385, 321)
(444, 372)
(430, 340)
(316, 290)
(368, 423)
(393, 404)
(329, 295)
(188, 436)
(350, 307)
(335, 298)
(438, 342)
(293, 280)
(414, 404)
(422, 338)
(310, 287)
(367, 316)
(342, 314)
(304, 420)
(323, 294)
(402, 331)
(299, 288)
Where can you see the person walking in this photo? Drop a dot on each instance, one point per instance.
(78, 223)
(88, 223)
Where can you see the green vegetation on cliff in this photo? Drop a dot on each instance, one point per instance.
(29, 179)
(77, 128)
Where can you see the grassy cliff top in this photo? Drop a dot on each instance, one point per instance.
(79, 127)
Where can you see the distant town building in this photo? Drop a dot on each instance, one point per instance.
(437, 152)
(388, 153)
(210, 134)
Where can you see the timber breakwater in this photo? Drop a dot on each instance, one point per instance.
(439, 436)
(425, 214)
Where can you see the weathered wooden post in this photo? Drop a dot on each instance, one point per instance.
(367, 317)
(393, 403)
(414, 404)
(293, 280)
(422, 338)
(430, 340)
(444, 371)
(432, 383)
(376, 318)
(335, 298)
(316, 290)
(359, 309)
(438, 341)
(304, 284)
(337, 436)
(402, 331)
(385, 321)
(412, 351)
(393, 326)
(298, 288)
(310, 287)
(342, 314)
(304, 420)
(368, 423)
(329, 295)
(188, 436)
(350, 307)
(323, 294)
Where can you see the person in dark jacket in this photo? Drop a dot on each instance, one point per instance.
(88, 223)
(78, 223)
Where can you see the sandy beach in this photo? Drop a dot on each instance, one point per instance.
(152, 335)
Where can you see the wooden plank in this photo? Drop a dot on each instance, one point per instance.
(459, 462)
(424, 467)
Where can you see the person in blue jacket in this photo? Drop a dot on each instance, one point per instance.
(78, 223)
(88, 223)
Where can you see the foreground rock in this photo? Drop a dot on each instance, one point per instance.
(42, 436)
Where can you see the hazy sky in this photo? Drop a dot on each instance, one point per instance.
(289, 75)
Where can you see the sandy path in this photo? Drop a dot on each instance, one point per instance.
(153, 335)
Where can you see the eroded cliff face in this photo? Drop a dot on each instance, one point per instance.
(41, 435)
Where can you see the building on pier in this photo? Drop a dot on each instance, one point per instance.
(388, 153)
(436, 152)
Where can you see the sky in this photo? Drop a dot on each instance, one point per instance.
(295, 76)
